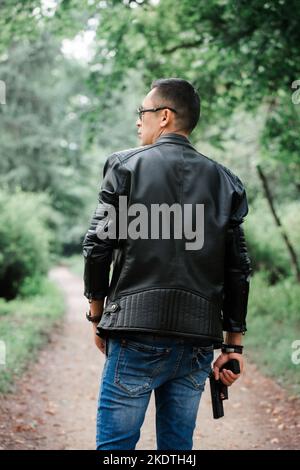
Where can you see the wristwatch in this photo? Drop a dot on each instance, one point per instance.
(93, 318)
(232, 348)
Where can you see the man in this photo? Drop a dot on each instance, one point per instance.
(169, 299)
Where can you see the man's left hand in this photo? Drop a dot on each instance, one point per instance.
(99, 342)
(227, 376)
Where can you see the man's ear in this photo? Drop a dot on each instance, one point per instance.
(165, 116)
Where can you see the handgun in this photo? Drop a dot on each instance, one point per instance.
(218, 390)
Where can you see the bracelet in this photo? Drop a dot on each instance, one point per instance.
(232, 348)
(93, 318)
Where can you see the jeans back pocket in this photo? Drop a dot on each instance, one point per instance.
(138, 364)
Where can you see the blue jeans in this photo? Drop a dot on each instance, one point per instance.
(175, 368)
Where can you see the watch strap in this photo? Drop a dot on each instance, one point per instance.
(232, 348)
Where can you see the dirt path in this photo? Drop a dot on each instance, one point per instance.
(54, 404)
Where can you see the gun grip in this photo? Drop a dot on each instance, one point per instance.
(233, 365)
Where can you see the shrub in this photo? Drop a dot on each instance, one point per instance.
(25, 241)
(267, 250)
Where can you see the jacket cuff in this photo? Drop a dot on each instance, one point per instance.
(232, 326)
(95, 295)
(96, 279)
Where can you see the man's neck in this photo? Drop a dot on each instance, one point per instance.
(172, 131)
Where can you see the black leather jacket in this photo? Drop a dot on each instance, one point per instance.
(157, 285)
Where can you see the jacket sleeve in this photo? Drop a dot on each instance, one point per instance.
(237, 266)
(98, 249)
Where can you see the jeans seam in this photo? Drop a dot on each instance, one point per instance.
(177, 363)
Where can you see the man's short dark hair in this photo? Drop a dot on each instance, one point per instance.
(180, 95)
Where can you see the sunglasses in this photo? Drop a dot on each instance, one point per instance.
(142, 110)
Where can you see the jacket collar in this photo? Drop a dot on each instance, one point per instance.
(173, 137)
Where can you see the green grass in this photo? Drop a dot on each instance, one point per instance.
(25, 325)
(273, 323)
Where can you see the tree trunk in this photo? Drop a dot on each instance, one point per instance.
(290, 248)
